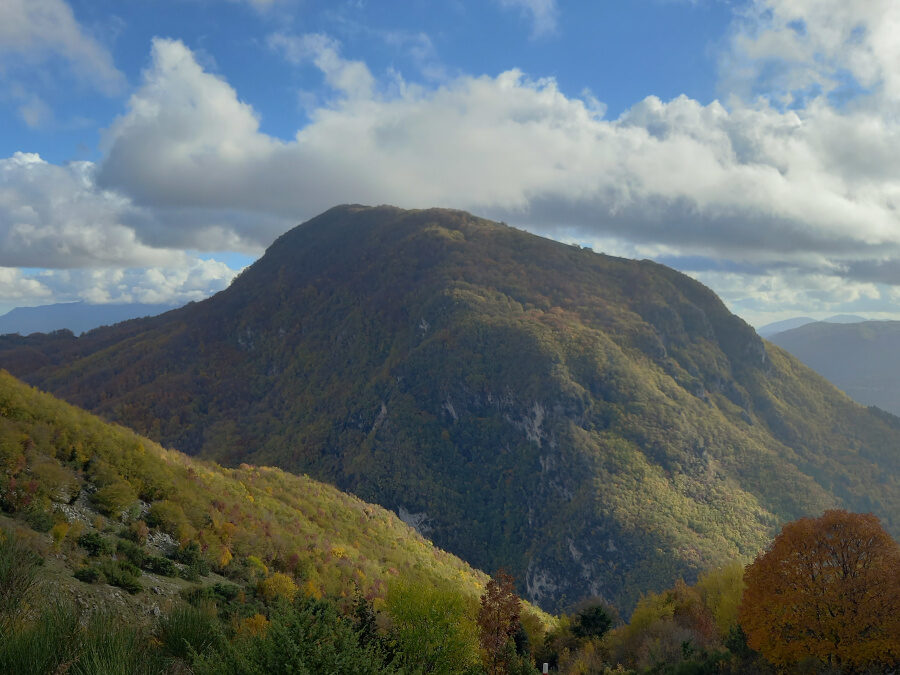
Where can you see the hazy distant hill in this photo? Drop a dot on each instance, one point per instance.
(77, 317)
(863, 359)
(789, 324)
(598, 426)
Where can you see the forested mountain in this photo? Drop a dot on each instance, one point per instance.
(862, 359)
(596, 425)
(77, 317)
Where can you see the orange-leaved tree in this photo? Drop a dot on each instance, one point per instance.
(828, 590)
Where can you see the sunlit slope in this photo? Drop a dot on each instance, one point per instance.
(598, 426)
(51, 451)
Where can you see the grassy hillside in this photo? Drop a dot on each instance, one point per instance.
(65, 473)
(598, 426)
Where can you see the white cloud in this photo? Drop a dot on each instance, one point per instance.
(196, 279)
(787, 47)
(33, 30)
(542, 13)
(15, 286)
(53, 216)
(754, 183)
(771, 296)
(192, 279)
(351, 78)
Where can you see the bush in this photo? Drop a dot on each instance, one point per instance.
(131, 552)
(113, 499)
(191, 556)
(162, 566)
(279, 585)
(95, 544)
(136, 532)
(167, 516)
(308, 636)
(88, 575)
(219, 593)
(122, 574)
(39, 520)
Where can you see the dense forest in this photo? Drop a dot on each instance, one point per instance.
(597, 426)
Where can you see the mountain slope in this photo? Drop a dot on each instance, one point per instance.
(77, 317)
(599, 426)
(860, 358)
(60, 461)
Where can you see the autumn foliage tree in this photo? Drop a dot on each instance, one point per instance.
(826, 590)
(498, 620)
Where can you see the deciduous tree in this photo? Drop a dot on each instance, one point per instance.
(498, 620)
(828, 590)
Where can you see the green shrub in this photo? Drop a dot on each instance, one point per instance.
(219, 593)
(88, 575)
(95, 544)
(167, 516)
(39, 520)
(121, 573)
(162, 566)
(113, 499)
(131, 552)
(196, 565)
(308, 636)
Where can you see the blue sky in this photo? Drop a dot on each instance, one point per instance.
(148, 149)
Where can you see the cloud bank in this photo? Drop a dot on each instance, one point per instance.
(792, 181)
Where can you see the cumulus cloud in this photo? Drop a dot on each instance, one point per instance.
(54, 216)
(751, 182)
(793, 48)
(542, 13)
(31, 31)
(194, 280)
(15, 286)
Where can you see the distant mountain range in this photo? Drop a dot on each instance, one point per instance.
(77, 317)
(863, 359)
(595, 425)
(788, 324)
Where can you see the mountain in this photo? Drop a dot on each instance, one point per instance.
(77, 317)
(595, 425)
(786, 324)
(771, 329)
(862, 359)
